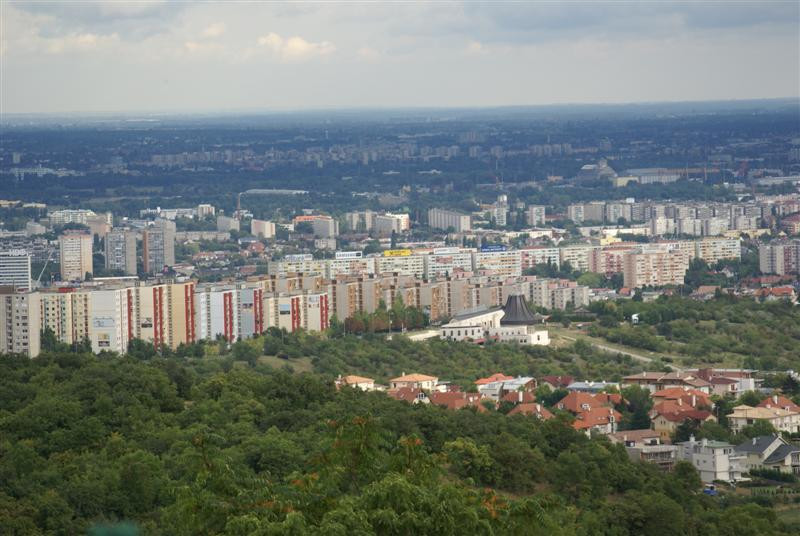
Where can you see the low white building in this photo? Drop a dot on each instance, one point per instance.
(514, 323)
(714, 460)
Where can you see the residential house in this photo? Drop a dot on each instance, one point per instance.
(781, 419)
(414, 381)
(556, 382)
(577, 401)
(592, 387)
(779, 401)
(714, 460)
(412, 395)
(457, 400)
(770, 452)
(656, 381)
(498, 389)
(602, 420)
(666, 423)
(727, 381)
(533, 409)
(496, 377)
(647, 446)
(357, 382)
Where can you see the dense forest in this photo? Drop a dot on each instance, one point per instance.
(214, 445)
(724, 330)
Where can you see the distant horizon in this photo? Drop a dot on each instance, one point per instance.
(217, 112)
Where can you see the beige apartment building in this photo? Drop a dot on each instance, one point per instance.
(654, 267)
(75, 255)
(19, 322)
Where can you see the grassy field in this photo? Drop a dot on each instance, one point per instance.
(561, 336)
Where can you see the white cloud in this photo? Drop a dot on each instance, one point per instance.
(215, 30)
(477, 48)
(294, 48)
(79, 42)
(368, 54)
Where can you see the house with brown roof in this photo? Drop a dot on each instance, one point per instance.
(779, 401)
(666, 423)
(577, 401)
(411, 395)
(519, 397)
(533, 409)
(457, 400)
(414, 381)
(496, 377)
(601, 420)
(357, 382)
(683, 396)
(556, 382)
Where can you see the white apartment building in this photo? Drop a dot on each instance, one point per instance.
(121, 251)
(109, 328)
(540, 255)
(576, 256)
(446, 261)
(503, 263)
(535, 216)
(63, 217)
(75, 255)
(445, 219)
(714, 460)
(413, 265)
(386, 224)
(15, 269)
(216, 309)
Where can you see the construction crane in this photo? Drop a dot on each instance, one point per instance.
(49, 256)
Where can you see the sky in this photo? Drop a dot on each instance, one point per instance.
(162, 56)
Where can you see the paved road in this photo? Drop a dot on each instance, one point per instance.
(638, 357)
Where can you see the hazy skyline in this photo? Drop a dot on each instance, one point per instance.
(167, 56)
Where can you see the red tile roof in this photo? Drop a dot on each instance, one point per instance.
(537, 410)
(595, 417)
(496, 377)
(779, 401)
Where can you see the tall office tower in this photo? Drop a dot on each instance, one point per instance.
(121, 251)
(158, 246)
(15, 269)
(535, 216)
(75, 255)
(19, 322)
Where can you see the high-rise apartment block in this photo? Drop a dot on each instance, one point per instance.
(779, 258)
(15, 269)
(121, 251)
(19, 322)
(655, 266)
(445, 219)
(75, 255)
(158, 246)
(535, 215)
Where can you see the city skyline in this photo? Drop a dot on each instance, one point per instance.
(160, 56)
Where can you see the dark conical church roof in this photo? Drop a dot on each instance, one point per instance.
(518, 313)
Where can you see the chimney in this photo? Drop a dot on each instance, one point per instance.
(694, 401)
(680, 401)
(775, 398)
(538, 408)
(704, 442)
(691, 438)
(519, 396)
